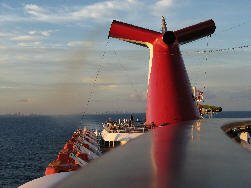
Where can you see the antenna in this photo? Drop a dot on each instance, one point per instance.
(163, 26)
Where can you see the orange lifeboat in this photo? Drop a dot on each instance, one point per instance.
(70, 158)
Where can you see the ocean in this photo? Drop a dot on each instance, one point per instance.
(29, 143)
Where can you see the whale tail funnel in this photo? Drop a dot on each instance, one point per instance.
(169, 96)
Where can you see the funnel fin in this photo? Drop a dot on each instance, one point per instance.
(131, 33)
(194, 32)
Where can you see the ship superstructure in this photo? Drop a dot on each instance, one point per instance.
(120, 132)
(205, 110)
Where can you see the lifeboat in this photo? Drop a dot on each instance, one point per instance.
(82, 147)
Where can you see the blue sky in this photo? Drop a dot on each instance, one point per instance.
(51, 51)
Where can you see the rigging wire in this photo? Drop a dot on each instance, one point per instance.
(134, 88)
(200, 84)
(221, 31)
(130, 81)
(93, 85)
(222, 49)
(234, 26)
(212, 51)
(205, 73)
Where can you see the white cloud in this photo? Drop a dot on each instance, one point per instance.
(2, 47)
(7, 87)
(6, 6)
(32, 32)
(24, 38)
(138, 96)
(35, 10)
(44, 33)
(25, 100)
(80, 43)
(160, 7)
(3, 34)
(100, 10)
(14, 18)
(30, 44)
(32, 38)
(164, 3)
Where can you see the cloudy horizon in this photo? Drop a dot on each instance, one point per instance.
(52, 51)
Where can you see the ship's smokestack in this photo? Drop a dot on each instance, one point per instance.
(169, 96)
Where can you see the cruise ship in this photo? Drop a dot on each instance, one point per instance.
(174, 147)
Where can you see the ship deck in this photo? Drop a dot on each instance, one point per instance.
(190, 154)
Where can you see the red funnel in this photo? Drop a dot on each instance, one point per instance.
(169, 96)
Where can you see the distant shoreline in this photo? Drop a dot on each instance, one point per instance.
(224, 114)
